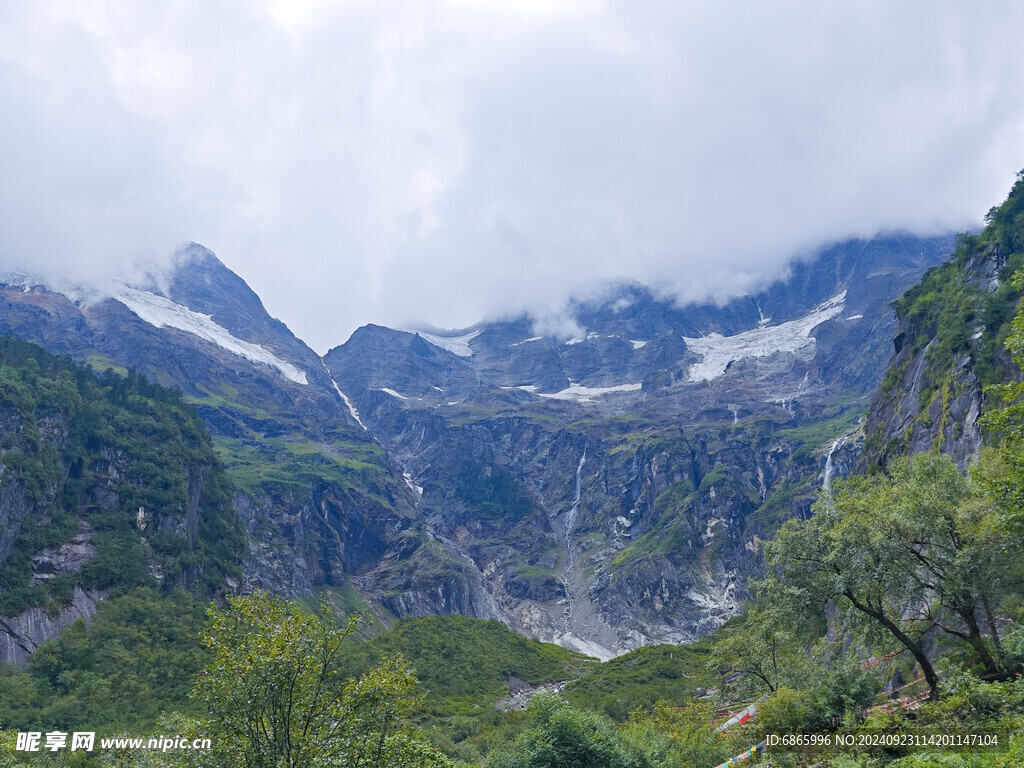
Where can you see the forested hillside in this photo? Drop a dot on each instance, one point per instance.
(108, 483)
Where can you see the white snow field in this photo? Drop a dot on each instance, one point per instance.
(583, 394)
(792, 336)
(162, 312)
(457, 345)
(526, 341)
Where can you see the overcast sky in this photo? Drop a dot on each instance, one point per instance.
(447, 161)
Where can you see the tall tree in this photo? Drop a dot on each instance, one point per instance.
(275, 700)
(759, 648)
(912, 552)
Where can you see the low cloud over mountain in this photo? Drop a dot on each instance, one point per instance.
(446, 161)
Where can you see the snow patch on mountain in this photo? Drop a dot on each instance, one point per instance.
(531, 388)
(526, 341)
(161, 312)
(457, 345)
(718, 351)
(344, 398)
(637, 343)
(582, 394)
(351, 407)
(417, 489)
(392, 392)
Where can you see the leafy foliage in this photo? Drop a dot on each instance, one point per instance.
(135, 660)
(967, 705)
(560, 736)
(122, 459)
(760, 649)
(639, 679)
(670, 736)
(1002, 470)
(464, 664)
(908, 552)
(274, 698)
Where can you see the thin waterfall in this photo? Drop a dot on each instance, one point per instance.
(826, 483)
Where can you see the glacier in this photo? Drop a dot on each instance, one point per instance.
(792, 336)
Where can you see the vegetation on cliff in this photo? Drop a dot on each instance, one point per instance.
(953, 327)
(123, 464)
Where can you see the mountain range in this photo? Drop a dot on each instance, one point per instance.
(605, 488)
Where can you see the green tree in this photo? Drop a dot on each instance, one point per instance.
(912, 551)
(275, 700)
(760, 648)
(560, 736)
(676, 736)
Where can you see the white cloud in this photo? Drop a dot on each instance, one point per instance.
(444, 161)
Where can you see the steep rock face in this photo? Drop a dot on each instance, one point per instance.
(20, 635)
(949, 345)
(611, 489)
(571, 526)
(904, 419)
